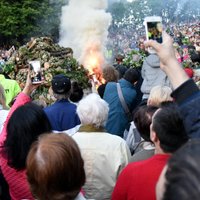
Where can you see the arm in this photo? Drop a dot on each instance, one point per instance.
(186, 92)
(22, 98)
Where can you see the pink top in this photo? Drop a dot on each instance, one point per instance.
(18, 185)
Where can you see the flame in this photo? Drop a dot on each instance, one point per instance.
(93, 62)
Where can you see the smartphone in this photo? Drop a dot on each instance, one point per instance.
(36, 74)
(153, 29)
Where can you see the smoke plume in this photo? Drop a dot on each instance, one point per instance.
(84, 28)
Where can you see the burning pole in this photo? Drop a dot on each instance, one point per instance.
(84, 28)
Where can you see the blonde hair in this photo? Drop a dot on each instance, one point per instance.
(2, 97)
(159, 94)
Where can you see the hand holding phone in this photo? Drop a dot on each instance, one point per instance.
(153, 27)
(36, 75)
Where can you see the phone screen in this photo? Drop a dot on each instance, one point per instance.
(155, 31)
(36, 75)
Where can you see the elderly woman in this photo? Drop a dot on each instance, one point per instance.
(104, 154)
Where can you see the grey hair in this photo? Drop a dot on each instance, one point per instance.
(92, 110)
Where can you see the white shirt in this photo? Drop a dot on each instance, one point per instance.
(104, 155)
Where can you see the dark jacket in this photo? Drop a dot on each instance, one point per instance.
(188, 97)
(117, 119)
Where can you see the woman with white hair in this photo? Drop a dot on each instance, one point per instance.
(104, 154)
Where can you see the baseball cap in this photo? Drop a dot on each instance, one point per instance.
(61, 84)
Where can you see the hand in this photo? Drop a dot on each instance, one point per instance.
(29, 86)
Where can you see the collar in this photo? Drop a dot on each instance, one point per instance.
(90, 128)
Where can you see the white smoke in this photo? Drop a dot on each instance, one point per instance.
(84, 28)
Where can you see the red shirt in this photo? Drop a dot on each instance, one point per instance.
(138, 180)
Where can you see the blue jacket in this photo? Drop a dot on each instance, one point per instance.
(62, 115)
(188, 98)
(117, 119)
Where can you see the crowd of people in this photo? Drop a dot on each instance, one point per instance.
(134, 137)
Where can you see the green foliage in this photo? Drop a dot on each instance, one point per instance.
(134, 59)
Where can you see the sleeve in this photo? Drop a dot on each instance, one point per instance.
(125, 156)
(120, 191)
(20, 100)
(188, 98)
(184, 91)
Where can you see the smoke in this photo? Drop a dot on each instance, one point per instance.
(84, 28)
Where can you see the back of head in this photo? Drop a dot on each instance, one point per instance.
(142, 120)
(159, 94)
(61, 85)
(132, 75)
(76, 93)
(110, 74)
(92, 110)
(183, 172)
(168, 125)
(25, 125)
(55, 168)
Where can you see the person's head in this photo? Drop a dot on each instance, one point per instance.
(61, 86)
(132, 75)
(2, 97)
(167, 128)
(180, 178)
(55, 168)
(110, 74)
(159, 94)
(142, 120)
(119, 58)
(92, 110)
(24, 126)
(76, 92)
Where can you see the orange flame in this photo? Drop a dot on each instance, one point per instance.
(93, 62)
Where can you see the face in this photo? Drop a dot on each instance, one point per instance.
(160, 187)
(152, 133)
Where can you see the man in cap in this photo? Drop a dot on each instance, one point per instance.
(62, 114)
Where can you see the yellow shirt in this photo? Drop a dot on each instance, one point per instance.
(11, 88)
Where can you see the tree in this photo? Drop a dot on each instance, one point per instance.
(22, 19)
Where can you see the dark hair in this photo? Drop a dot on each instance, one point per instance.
(132, 75)
(25, 125)
(183, 172)
(76, 92)
(168, 125)
(55, 168)
(142, 120)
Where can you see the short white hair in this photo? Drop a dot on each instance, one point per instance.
(159, 94)
(92, 110)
